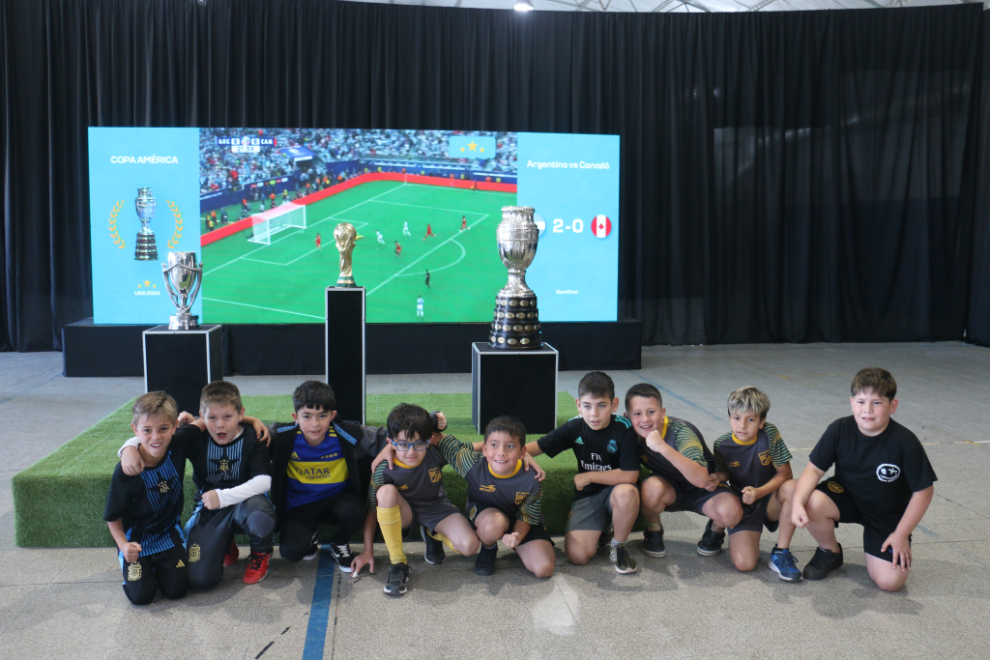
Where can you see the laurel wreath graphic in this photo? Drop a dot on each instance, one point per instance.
(177, 234)
(118, 241)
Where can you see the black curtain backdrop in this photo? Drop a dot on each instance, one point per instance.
(786, 177)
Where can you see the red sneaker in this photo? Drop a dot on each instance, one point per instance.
(232, 555)
(257, 567)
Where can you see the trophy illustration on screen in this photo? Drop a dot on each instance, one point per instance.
(182, 280)
(516, 325)
(146, 249)
(345, 236)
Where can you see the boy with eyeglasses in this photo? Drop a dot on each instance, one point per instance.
(413, 492)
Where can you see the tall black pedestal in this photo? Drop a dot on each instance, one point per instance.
(518, 383)
(182, 362)
(345, 350)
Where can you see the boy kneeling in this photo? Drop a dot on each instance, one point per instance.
(883, 481)
(413, 492)
(504, 500)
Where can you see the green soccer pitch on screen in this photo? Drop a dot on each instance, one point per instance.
(425, 205)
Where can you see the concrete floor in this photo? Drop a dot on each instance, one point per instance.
(68, 602)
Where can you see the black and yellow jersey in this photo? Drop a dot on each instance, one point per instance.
(751, 463)
(518, 494)
(683, 436)
(422, 484)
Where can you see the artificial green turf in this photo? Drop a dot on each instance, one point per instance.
(59, 501)
(283, 282)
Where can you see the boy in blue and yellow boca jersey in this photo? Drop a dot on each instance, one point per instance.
(504, 500)
(411, 492)
(605, 484)
(232, 471)
(316, 477)
(143, 511)
(755, 461)
(675, 451)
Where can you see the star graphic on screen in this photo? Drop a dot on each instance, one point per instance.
(482, 150)
(472, 145)
(462, 149)
(147, 283)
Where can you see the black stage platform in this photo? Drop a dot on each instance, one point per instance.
(262, 350)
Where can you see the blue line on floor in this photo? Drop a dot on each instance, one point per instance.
(678, 397)
(319, 611)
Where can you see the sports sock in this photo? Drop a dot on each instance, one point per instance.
(447, 542)
(390, 520)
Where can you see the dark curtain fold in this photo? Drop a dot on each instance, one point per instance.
(791, 176)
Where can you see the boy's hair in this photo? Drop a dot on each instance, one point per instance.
(415, 421)
(597, 383)
(220, 392)
(158, 404)
(749, 399)
(876, 380)
(314, 394)
(507, 424)
(644, 390)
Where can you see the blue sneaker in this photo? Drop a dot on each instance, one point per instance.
(782, 563)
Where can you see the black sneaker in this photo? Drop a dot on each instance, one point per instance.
(823, 563)
(435, 554)
(314, 548)
(653, 543)
(606, 538)
(621, 560)
(485, 563)
(398, 578)
(341, 553)
(711, 542)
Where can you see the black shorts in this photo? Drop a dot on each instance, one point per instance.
(536, 532)
(690, 498)
(754, 517)
(873, 535)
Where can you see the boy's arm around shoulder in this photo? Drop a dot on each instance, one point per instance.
(460, 456)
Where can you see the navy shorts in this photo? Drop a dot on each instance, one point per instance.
(690, 498)
(754, 517)
(536, 532)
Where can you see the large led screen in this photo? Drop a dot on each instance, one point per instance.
(259, 207)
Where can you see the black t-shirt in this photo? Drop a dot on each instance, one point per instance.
(611, 448)
(149, 504)
(881, 473)
(222, 466)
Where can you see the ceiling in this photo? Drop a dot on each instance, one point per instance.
(695, 6)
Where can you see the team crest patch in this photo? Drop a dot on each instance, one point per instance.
(521, 497)
(133, 572)
(888, 472)
(836, 487)
(436, 474)
(472, 512)
(765, 457)
(162, 487)
(612, 447)
(194, 551)
(487, 488)
(644, 458)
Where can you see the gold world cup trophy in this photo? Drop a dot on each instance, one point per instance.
(516, 325)
(145, 249)
(345, 236)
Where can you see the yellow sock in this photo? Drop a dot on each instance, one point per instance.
(447, 542)
(390, 520)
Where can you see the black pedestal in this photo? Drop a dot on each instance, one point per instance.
(518, 383)
(182, 362)
(345, 350)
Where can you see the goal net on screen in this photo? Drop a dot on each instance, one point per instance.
(280, 218)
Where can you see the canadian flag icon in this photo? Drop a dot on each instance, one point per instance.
(601, 226)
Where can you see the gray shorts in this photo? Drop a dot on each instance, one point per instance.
(591, 513)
